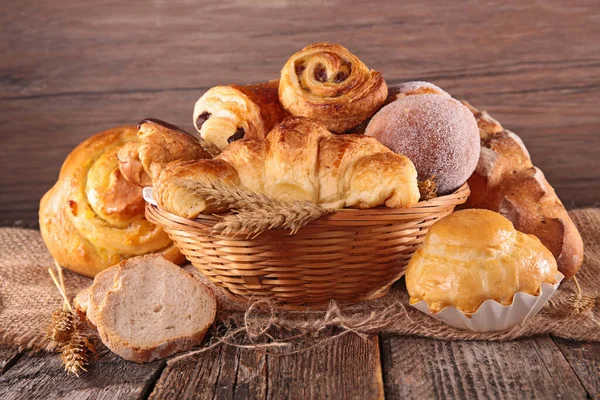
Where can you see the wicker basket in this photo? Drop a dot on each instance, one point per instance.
(348, 256)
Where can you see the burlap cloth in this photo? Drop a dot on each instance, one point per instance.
(28, 297)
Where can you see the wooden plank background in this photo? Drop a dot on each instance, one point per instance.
(71, 68)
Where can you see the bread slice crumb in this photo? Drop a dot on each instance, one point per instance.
(147, 308)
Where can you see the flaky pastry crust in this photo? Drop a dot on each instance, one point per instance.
(328, 83)
(158, 144)
(228, 113)
(505, 180)
(299, 160)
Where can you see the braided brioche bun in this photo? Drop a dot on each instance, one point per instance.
(92, 218)
(437, 133)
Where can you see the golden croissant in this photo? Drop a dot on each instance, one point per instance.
(299, 160)
(158, 144)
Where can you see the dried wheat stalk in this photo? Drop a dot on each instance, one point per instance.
(64, 331)
(62, 325)
(73, 354)
(253, 212)
(290, 216)
(428, 189)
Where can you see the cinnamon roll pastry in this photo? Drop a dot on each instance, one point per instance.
(159, 143)
(92, 218)
(228, 113)
(299, 160)
(328, 83)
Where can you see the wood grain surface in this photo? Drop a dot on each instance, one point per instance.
(420, 368)
(41, 376)
(584, 358)
(70, 69)
(223, 373)
(8, 357)
(347, 368)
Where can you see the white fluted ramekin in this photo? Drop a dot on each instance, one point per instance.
(492, 316)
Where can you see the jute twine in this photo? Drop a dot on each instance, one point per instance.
(28, 297)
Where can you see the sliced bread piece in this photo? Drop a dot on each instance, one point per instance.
(103, 282)
(81, 302)
(153, 310)
(89, 300)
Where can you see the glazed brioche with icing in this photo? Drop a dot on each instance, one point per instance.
(475, 255)
(299, 160)
(228, 113)
(158, 144)
(327, 83)
(437, 132)
(505, 180)
(92, 218)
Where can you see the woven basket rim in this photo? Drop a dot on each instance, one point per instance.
(347, 214)
(329, 258)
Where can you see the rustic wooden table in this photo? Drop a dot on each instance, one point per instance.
(70, 69)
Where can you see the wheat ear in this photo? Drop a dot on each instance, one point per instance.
(63, 330)
(428, 189)
(290, 216)
(73, 354)
(252, 212)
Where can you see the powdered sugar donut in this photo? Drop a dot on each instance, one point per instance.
(437, 133)
(404, 89)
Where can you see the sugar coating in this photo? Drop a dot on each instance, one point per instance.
(396, 92)
(437, 133)
(420, 87)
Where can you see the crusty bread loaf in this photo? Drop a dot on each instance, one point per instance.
(81, 302)
(103, 282)
(506, 181)
(147, 308)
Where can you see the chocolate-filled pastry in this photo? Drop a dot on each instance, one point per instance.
(158, 144)
(225, 114)
(92, 218)
(299, 160)
(328, 83)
